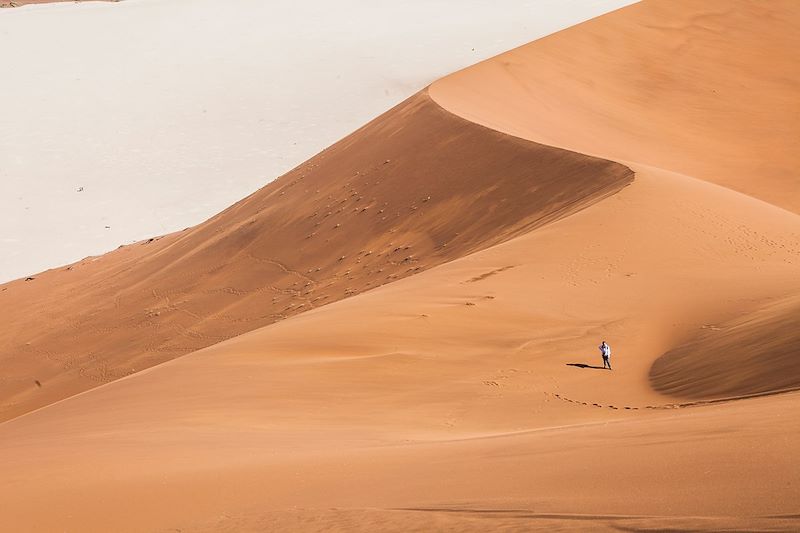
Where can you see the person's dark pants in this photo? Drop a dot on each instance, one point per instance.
(606, 362)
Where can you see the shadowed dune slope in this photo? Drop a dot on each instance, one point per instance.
(412, 189)
(705, 88)
(756, 353)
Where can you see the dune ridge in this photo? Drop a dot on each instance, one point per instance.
(706, 89)
(414, 188)
(165, 125)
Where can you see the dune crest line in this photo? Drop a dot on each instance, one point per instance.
(414, 188)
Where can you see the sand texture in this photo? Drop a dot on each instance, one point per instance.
(401, 333)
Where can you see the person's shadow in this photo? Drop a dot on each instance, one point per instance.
(584, 365)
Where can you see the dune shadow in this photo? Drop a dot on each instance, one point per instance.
(584, 365)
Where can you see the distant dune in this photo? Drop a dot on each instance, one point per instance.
(401, 334)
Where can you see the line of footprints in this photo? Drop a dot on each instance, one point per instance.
(664, 406)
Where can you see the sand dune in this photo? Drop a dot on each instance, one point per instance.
(395, 198)
(466, 396)
(678, 99)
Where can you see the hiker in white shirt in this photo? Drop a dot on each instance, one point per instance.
(605, 351)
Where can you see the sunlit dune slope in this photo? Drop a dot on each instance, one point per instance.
(755, 353)
(414, 188)
(705, 88)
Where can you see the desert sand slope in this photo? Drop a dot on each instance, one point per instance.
(755, 353)
(452, 399)
(414, 188)
(705, 88)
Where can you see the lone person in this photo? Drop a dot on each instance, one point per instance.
(605, 351)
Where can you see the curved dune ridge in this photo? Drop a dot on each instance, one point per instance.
(468, 396)
(754, 353)
(415, 188)
(706, 89)
(192, 114)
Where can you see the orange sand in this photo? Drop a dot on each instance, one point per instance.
(463, 397)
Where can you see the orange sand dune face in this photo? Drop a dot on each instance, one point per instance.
(414, 188)
(755, 353)
(708, 89)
